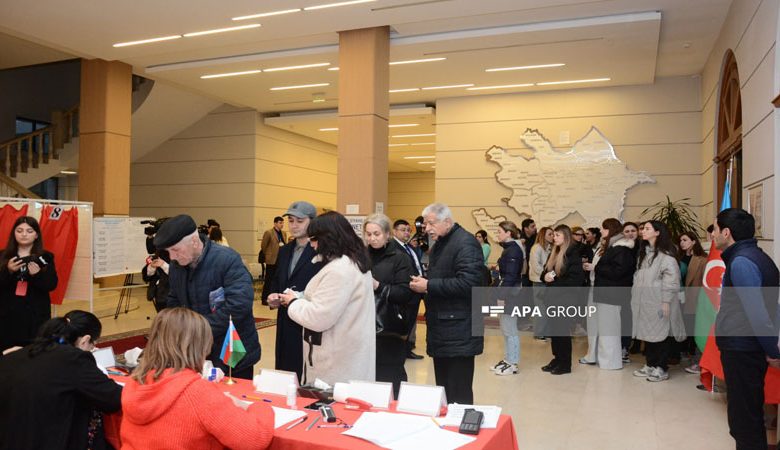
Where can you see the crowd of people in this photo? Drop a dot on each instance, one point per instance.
(347, 309)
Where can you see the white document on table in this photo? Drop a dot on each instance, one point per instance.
(405, 431)
(284, 416)
(455, 415)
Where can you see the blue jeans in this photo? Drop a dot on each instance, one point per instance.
(511, 338)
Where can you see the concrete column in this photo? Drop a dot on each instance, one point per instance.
(364, 109)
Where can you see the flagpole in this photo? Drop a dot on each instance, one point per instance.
(230, 380)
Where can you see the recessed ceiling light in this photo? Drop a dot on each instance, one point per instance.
(423, 143)
(426, 162)
(413, 135)
(329, 129)
(404, 90)
(506, 86)
(548, 83)
(404, 125)
(430, 88)
(304, 66)
(300, 86)
(333, 5)
(414, 61)
(274, 13)
(333, 69)
(68, 172)
(147, 41)
(419, 157)
(230, 74)
(397, 145)
(538, 66)
(222, 30)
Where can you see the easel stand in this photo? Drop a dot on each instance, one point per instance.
(124, 296)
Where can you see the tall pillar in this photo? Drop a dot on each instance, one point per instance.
(364, 110)
(104, 136)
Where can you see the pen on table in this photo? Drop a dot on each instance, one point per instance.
(343, 425)
(316, 419)
(252, 397)
(297, 422)
(437, 423)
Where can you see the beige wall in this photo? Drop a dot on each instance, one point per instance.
(653, 128)
(230, 167)
(750, 31)
(408, 193)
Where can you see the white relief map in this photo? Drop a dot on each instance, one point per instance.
(588, 179)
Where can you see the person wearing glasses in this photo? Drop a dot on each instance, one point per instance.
(336, 310)
(52, 392)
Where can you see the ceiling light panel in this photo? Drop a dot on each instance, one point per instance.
(452, 86)
(415, 61)
(419, 157)
(268, 14)
(539, 66)
(147, 41)
(505, 86)
(300, 86)
(591, 80)
(413, 135)
(223, 30)
(404, 125)
(392, 91)
(304, 66)
(230, 74)
(333, 5)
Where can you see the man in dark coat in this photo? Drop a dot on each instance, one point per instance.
(211, 280)
(455, 267)
(294, 269)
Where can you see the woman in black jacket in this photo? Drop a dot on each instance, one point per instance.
(392, 270)
(27, 275)
(563, 270)
(510, 267)
(613, 281)
(50, 390)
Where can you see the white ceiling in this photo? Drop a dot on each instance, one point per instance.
(628, 41)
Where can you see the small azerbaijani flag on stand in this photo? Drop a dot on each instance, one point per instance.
(232, 349)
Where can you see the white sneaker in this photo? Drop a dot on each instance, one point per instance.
(498, 366)
(625, 357)
(658, 374)
(644, 371)
(507, 369)
(693, 368)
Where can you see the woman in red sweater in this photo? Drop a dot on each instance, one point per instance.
(167, 405)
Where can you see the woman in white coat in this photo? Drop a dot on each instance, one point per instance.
(337, 308)
(654, 299)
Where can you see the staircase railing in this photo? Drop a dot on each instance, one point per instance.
(10, 188)
(32, 149)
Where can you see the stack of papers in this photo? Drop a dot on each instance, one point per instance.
(405, 431)
(283, 416)
(455, 415)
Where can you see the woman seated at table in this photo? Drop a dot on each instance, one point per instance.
(337, 308)
(167, 405)
(50, 390)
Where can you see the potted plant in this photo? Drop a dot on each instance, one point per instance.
(677, 215)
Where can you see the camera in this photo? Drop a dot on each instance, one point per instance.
(151, 230)
(420, 238)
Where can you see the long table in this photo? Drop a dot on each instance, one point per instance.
(501, 438)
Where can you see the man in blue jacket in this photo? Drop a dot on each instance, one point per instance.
(211, 280)
(744, 328)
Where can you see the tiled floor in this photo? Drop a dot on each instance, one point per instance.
(587, 409)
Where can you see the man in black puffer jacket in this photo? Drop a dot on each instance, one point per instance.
(211, 280)
(454, 268)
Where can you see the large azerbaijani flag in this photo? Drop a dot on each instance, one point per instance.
(232, 349)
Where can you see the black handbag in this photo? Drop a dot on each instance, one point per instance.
(391, 319)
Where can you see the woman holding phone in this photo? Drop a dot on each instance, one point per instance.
(27, 275)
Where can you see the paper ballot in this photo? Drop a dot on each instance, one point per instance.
(284, 416)
(455, 415)
(405, 431)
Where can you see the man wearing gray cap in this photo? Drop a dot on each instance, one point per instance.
(294, 269)
(211, 280)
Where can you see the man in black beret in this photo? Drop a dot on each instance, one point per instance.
(211, 280)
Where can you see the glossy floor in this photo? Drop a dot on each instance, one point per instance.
(587, 409)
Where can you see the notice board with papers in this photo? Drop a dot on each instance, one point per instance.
(119, 245)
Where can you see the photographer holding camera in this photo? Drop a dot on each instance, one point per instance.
(27, 275)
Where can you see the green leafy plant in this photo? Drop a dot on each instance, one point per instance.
(677, 215)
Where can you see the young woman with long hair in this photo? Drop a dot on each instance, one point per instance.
(655, 303)
(482, 238)
(52, 393)
(539, 253)
(693, 260)
(166, 404)
(510, 266)
(631, 232)
(336, 309)
(27, 276)
(564, 277)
